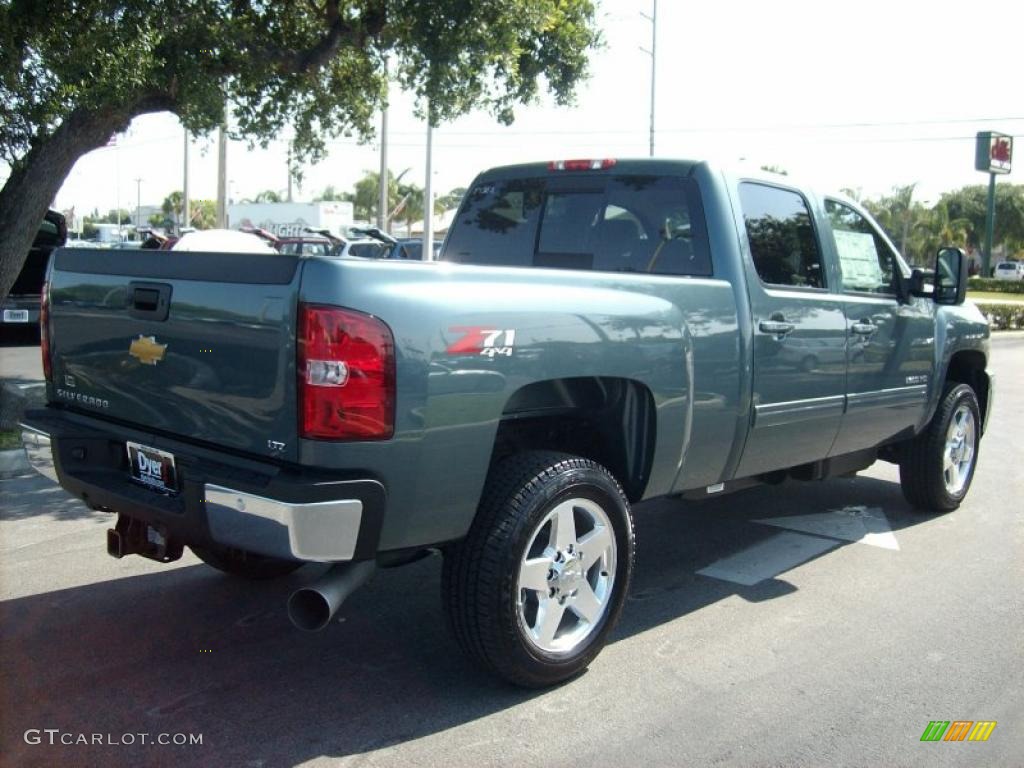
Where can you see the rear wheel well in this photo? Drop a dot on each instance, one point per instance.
(606, 419)
(968, 367)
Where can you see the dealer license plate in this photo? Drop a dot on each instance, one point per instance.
(153, 468)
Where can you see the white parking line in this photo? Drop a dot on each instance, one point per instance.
(784, 551)
(768, 558)
(863, 525)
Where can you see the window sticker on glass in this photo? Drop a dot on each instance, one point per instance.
(858, 259)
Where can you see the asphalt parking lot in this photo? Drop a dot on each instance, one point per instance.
(797, 625)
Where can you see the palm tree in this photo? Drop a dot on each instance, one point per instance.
(174, 207)
(902, 218)
(331, 194)
(940, 229)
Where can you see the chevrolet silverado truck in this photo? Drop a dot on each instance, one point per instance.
(595, 333)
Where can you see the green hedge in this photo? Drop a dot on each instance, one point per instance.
(1003, 317)
(999, 286)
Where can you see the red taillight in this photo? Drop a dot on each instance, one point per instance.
(581, 165)
(346, 371)
(44, 331)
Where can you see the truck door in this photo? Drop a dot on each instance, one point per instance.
(889, 342)
(799, 364)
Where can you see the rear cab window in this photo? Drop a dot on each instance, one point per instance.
(644, 223)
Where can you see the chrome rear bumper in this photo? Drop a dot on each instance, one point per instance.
(319, 531)
(322, 531)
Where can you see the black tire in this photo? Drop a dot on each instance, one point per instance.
(480, 579)
(921, 465)
(246, 565)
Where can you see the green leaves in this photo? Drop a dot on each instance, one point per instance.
(316, 67)
(491, 54)
(958, 218)
(970, 204)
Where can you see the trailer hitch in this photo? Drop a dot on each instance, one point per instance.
(134, 537)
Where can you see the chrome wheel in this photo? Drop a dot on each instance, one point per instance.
(958, 455)
(566, 576)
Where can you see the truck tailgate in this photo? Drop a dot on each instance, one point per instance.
(198, 345)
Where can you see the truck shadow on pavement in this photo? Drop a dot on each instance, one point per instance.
(38, 497)
(187, 650)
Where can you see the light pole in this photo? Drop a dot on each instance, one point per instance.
(382, 180)
(428, 193)
(138, 205)
(289, 171)
(117, 179)
(186, 219)
(653, 53)
(222, 176)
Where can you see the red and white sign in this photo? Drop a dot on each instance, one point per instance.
(993, 152)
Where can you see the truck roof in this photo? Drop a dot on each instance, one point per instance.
(644, 165)
(658, 166)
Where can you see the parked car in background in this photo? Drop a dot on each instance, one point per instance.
(80, 243)
(363, 248)
(21, 307)
(306, 245)
(411, 248)
(367, 243)
(223, 241)
(390, 247)
(153, 240)
(262, 234)
(1009, 270)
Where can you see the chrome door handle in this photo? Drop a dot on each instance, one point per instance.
(776, 327)
(863, 329)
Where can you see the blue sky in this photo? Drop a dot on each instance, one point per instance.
(870, 96)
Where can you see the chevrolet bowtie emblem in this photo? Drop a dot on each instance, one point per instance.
(146, 350)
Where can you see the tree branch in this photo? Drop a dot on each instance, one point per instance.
(36, 179)
(339, 33)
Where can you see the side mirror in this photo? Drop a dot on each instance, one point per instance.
(950, 276)
(920, 283)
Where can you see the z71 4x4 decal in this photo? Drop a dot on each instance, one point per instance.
(481, 340)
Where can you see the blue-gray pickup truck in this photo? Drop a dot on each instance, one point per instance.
(595, 333)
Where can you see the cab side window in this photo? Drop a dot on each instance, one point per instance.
(783, 243)
(866, 261)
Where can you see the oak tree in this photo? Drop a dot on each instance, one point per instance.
(74, 72)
